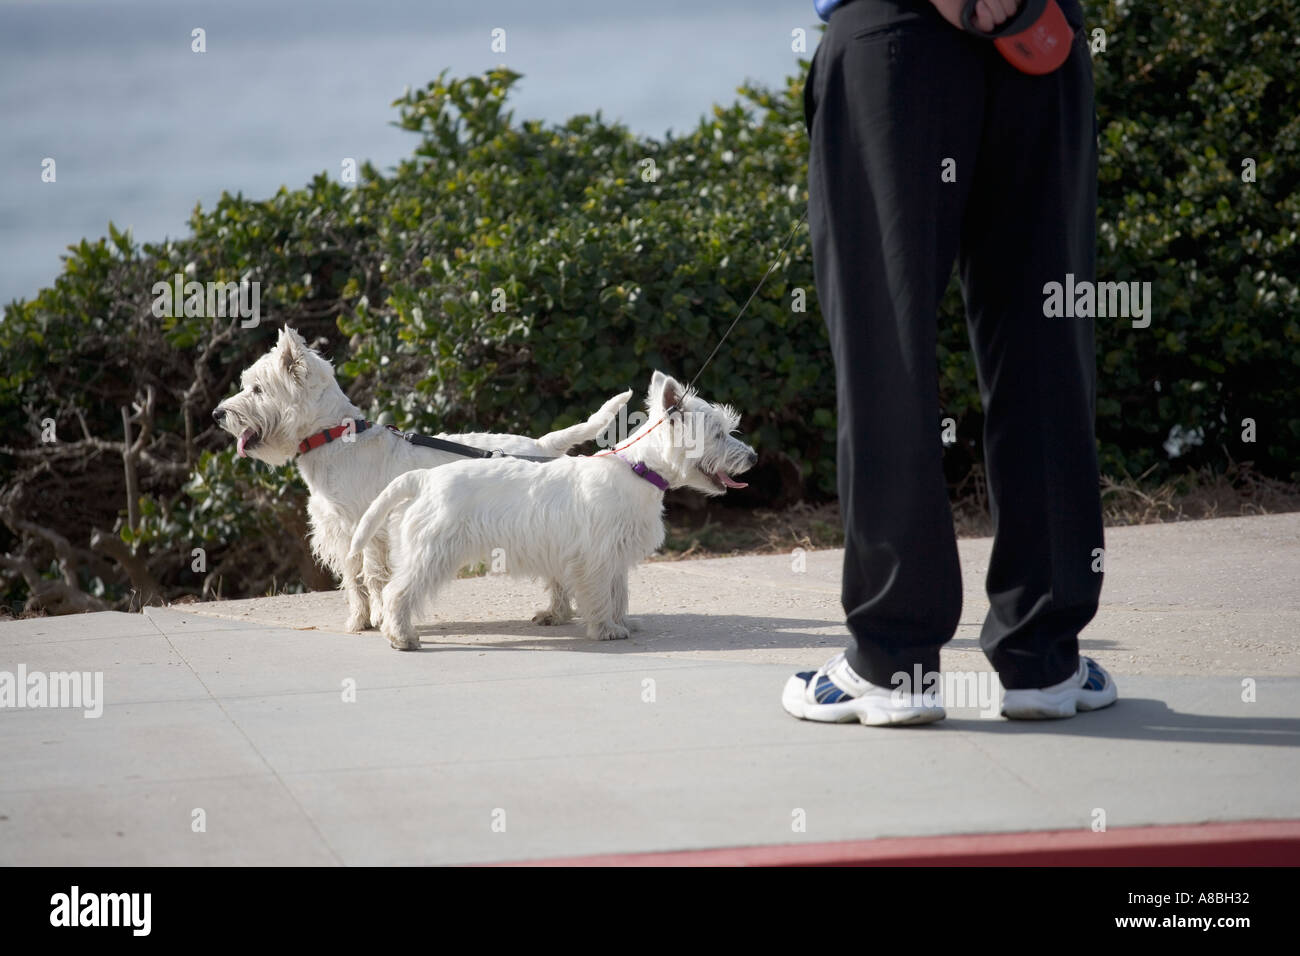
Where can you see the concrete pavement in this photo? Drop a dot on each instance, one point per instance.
(249, 732)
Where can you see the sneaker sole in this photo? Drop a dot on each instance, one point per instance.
(874, 717)
(864, 712)
(1039, 705)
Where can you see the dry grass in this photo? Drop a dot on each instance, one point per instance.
(719, 532)
(1237, 492)
(716, 532)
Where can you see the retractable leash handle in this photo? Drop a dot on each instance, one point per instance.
(1036, 40)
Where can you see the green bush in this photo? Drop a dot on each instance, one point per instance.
(1185, 96)
(608, 255)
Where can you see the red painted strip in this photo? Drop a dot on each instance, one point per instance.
(1255, 843)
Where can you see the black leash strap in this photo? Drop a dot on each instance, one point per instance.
(465, 451)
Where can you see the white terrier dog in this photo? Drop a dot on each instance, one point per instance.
(290, 404)
(580, 523)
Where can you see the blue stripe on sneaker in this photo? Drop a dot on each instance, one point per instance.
(823, 690)
(828, 693)
(1096, 676)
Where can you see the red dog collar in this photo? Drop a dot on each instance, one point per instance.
(354, 426)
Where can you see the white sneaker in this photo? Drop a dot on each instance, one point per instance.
(1091, 688)
(836, 694)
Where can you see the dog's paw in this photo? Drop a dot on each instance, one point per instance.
(404, 643)
(547, 617)
(612, 632)
(357, 622)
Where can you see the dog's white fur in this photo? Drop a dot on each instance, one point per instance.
(579, 522)
(289, 394)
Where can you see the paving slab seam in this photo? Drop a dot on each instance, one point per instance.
(36, 712)
(730, 748)
(76, 640)
(731, 578)
(669, 664)
(260, 756)
(974, 740)
(148, 629)
(333, 692)
(136, 781)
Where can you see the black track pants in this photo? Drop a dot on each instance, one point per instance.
(894, 92)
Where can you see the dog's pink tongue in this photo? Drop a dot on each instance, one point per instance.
(730, 482)
(247, 434)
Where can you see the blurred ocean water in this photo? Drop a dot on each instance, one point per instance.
(142, 128)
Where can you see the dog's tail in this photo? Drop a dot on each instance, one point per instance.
(400, 489)
(561, 441)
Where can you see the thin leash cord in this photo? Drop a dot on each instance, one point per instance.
(757, 288)
(700, 371)
(632, 441)
(770, 269)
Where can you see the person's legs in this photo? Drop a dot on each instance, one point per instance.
(893, 93)
(1032, 220)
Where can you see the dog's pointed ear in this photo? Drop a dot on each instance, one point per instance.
(293, 352)
(665, 389)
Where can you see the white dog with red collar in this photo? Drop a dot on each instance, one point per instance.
(289, 403)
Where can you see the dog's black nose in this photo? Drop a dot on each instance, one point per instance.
(753, 459)
(218, 413)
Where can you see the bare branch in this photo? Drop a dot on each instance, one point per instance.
(136, 568)
(56, 597)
